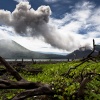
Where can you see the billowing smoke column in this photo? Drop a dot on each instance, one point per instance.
(25, 19)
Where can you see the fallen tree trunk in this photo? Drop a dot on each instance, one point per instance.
(34, 92)
(2, 71)
(36, 88)
(7, 84)
(11, 70)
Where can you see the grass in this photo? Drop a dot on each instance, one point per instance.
(52, 74)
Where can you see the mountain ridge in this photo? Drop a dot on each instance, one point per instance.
(11, 49)
(78, 54)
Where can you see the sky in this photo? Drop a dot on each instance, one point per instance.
(64, 26)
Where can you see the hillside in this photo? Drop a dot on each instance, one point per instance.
(82, 53)
(11, 49)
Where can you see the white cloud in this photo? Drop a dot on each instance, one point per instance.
(95, 16)
(84, 17)
(93, 34)
(6, 32)
(22, 0)
(51, 1)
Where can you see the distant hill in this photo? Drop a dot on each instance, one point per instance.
(11, 49)
(82, 53)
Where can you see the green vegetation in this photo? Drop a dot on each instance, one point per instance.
(65, 86)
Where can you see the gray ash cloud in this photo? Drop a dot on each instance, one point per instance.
(26, 20)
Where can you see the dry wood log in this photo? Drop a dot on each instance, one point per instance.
(2, 71)
(82, 86)
(7, 84)
(36, 88)
(11, 70)
(34, 92)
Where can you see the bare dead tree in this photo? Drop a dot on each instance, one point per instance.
(82, 61)
(84, 78)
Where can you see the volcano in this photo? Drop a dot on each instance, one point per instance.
(80, 53)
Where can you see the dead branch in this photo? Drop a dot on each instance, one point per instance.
(67, 73)
(11, 70)
(2, 71)
(82, 86)
(91, 74)
(89, 55)
(36, 88)
(34, 92)
(8, 84)
(83, 61)
(87, 78)
(81, 91)
(92, 49)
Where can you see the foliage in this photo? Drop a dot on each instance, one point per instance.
(65, 87)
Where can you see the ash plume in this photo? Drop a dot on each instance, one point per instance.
(26, 20)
